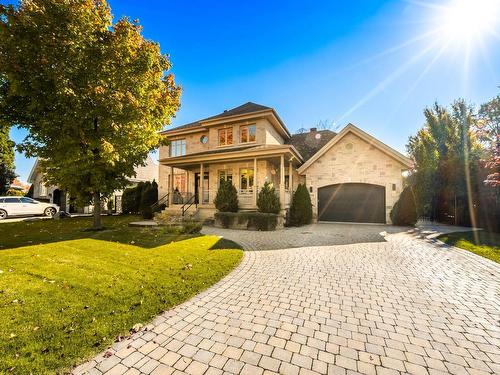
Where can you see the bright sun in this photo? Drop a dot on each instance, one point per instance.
(468, 20)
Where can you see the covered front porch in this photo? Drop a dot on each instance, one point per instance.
(196, 183)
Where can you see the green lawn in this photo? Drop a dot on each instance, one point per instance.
(485, 244)
(68, 295)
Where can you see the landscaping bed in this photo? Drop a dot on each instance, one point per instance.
(71, 293)
(483, 243)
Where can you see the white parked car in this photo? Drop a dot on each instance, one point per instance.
(24, 206)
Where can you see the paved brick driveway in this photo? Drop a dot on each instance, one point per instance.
(402, 306)
(321, 234)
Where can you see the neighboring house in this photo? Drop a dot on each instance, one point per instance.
(19, 186)
(351, 176)
(53, 194)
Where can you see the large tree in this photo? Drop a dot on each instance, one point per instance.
(7, 174)
(488, 128)
(446, 155)
(92, 94)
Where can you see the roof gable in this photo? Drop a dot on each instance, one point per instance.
(242, 110)
(350, 128)
(310, 142)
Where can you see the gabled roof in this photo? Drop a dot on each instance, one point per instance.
(350, 128)
(310, 142)
(242, 110)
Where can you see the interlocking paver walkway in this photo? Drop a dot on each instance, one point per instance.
(319, 234)
(401, 306)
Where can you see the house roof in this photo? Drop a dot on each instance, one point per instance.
(350, 128)
(244, 109)
(311, 142)
(234, 153)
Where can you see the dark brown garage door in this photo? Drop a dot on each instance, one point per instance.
(357, 203)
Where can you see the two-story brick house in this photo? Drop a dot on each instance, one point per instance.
(351, 176)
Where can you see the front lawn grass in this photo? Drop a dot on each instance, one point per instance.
(485, 244)
(116, 229)
(62, 302)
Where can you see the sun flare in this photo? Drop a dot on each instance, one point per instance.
(468, 20)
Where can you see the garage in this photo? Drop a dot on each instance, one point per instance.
(352, 202)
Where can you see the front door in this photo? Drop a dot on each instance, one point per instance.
(206, 185)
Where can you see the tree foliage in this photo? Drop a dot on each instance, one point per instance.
(267, 200)
(448, 173)
(404, 211)
(226, 199)
(92, 94)
(488, 128)
(7, 174)
(300, 207)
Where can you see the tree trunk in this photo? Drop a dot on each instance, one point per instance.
(97, 210)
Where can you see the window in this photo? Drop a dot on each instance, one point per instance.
(178, 147)
(247, 134)
(27, 200)
(11, 200)
(225, 175)
(204, 139)
(225, 136)
(42, 190)
(246, 179)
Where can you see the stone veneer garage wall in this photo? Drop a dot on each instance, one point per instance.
(352, 159)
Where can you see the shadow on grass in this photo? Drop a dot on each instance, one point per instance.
(225, 243)
(117, 229)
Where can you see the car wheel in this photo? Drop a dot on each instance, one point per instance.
(3, 214)
(51, 211)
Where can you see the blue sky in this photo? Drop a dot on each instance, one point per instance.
(367, 62)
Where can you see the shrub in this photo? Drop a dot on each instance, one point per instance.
(404, 211)
(131, 199)
(149, 195)
(226, 199)
(301, 207)
(14, 192)
(267, 200)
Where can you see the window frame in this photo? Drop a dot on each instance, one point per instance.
(180, 147)
(224, 174)
(249, 178)
(226, 131)
(247, 128)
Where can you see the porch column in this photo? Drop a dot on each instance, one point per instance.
(255, 186)
(171, 187)
(282, 181)
(290, 178)
(202, 179)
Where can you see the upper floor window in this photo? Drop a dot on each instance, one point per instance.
(225, 136)
(247, 133)
(178, 147)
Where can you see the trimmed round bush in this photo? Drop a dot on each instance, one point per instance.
(267, 200)
(301, 207)
(404, 211)
(226, 199)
